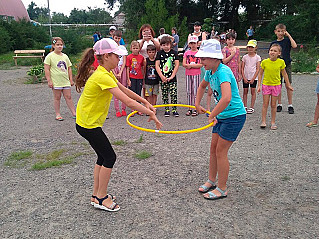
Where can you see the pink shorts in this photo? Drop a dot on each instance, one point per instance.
(273, 90)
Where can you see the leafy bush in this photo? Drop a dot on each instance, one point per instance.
(24, 35)
(74, 39)
(37, 73)
(5, 39)
(304, 61)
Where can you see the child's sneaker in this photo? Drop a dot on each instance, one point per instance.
(167, 113)
(279, 108)
(291, 110)
(124, 113)
(175, 113)
(118, 114)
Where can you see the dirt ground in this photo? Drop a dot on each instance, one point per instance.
(273, 181)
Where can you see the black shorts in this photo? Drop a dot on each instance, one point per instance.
(99, 142)
(253, 85)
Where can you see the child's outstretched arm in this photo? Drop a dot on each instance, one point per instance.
(285, 75)
(48, 75)
(223, 102)
(174, 71)
(260, 77)
(129, 98)
(200, 92)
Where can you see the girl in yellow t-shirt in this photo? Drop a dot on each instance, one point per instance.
(271, 68)
(58, 72)
(92, 110)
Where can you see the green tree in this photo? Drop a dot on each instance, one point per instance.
(59, 18)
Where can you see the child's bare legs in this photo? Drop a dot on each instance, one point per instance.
(273, 109)
(209, 97)
(315, 120)
(149, 99)
(68, 100)
(289, 96)
(253, 97)
(264, 110)
(101, 180)
(245, 94)
(219, 163)
(56, 101)
(154, 99)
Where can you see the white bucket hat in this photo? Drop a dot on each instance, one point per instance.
(210, 48)
(108, 45)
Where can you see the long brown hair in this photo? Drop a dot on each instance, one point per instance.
(84, 69)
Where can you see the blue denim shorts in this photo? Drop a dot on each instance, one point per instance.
(317, 89)
(230, 128)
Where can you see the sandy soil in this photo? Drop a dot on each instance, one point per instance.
(273, 181)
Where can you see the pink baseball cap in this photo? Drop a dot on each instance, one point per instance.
(108, 45)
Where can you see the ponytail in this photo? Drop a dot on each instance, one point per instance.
(84, 69)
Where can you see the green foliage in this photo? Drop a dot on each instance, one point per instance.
(143, 154)
(15, 158)
(23, 35)
(36, 70)
(74, 39)
(5, 39)
(36, 73)
(304, 61)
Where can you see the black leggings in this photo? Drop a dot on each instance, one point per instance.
(101, 145)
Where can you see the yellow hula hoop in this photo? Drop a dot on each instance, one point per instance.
(168, 131)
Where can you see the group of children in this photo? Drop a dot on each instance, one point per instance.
(228, 115)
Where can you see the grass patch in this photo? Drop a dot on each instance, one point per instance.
(53, 160)
(119, 142)
(14, 160)
(52, 163)
(285, 178)
(140, 140)
(143, 154)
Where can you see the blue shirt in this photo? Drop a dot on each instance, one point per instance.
(250, 32)
(121, 41)
(96, 37)
(176, 40)
(224, 74)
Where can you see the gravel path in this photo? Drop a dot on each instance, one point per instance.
(273, 181)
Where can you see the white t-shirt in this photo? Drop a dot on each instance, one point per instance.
(250, 65)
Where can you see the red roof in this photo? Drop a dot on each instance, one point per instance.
(13, 8)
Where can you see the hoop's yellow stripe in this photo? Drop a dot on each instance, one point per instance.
(168, 131)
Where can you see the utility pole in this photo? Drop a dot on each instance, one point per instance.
(49, 19)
